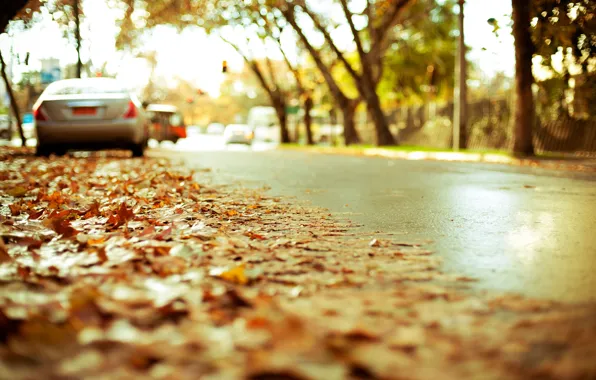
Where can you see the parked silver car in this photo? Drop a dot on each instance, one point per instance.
(89, 114)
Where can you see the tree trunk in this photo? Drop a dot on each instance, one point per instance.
(348, 110)
(13, 102)
(282, 116)
(76, 12)
(308, 106)
(524, 101)
(296, 137)
(383, 134)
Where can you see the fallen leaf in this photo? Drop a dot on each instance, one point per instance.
(15, 209)
(96, 241)
(102, 254)
(61, 226)
(254, 236)
(17, 192)
(30, 243)
(35, 214)
(122, 216)
(165, 234)
(168, 265)
(4, 256)
(235, 275)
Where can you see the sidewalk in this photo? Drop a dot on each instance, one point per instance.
(557, 163)
(112, 267)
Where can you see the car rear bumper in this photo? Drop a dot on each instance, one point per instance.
(238, 140)
(118, 133)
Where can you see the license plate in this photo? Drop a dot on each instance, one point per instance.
(84, 111)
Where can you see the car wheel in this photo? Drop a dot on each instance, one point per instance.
(60, 152)
(42, 151)
(138, 150)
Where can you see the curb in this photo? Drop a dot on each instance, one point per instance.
(489, 158)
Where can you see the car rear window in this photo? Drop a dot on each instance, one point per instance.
(85, 87)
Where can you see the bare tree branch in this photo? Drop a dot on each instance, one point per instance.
(389, 20)
(253, 66)
(331, 43)
(366, 69)
(290, 17)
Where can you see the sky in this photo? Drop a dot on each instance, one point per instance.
(196, 57)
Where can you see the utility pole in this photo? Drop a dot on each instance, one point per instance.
(76, 11)
(460, 97)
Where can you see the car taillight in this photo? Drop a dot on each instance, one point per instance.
(131, 113)
(38, 114)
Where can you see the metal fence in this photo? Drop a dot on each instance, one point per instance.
(489, 127)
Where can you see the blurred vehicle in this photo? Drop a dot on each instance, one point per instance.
(328, 133)
(167, 123)
(89, 114)
(193, 130)
(6, 129)
(215, 129)
(238, 134)
(263, 121)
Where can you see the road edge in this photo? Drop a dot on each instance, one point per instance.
(571, 164)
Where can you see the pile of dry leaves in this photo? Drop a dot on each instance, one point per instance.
(118, 268)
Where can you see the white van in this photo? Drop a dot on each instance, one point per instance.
(264, 123)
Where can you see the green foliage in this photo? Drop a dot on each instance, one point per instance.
(567, 26)
(17, 9)
(419, 65)
(564, 35)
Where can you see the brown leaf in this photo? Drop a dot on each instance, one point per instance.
(254, 236)
(102, 255)
(148, 231)
(165, 234)
(374, 243)
(15, 209)
(30, 243)
(35, 214)
(4, 256)
(92, 211)
(168, 265)
(61, 226)
(122, 216)
(23, 272)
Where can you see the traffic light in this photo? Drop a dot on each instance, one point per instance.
(224, 67)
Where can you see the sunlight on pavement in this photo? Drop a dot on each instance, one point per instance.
(532, 235)
(210, 143)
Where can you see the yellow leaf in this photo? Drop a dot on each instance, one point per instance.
(97, 241)
(18, 191)
(235, 275)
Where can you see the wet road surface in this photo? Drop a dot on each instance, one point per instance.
(530, 231)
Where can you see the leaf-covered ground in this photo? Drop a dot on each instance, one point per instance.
(118, 268)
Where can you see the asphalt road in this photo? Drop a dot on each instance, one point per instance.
(530, 231)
